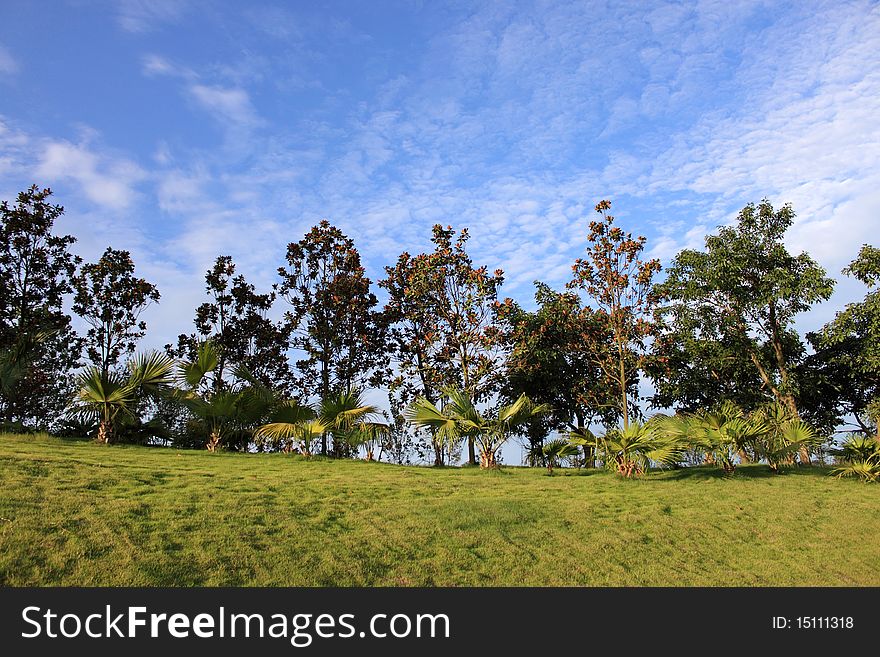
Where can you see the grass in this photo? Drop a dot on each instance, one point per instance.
(76, 513)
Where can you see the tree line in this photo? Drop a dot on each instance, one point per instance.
(464, 368)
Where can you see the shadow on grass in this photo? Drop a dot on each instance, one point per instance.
(751, 471)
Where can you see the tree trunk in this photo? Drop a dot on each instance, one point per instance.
(487, 460)
(103, 437)
(213, 441)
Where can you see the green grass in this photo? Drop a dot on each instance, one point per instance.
(75, 513)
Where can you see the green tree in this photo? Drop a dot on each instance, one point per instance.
(36, 270)
(331, 318)
(459, 417)
(110, 299)
(747, 288)
(555, 355)
(631, 450)
(697, 363)
(444, 317)
(725, 433)
(111, 397)
(848, 347)
(221, 417)
(237, 323)
(345, 417)
(618, 282)
(554, 451)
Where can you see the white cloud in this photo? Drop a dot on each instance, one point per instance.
(106, 180)
(226, 104)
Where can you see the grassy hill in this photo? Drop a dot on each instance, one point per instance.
(75, 513)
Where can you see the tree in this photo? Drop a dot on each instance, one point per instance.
(554, 355)
(443, 312)
(696, 363)
(111, 396)
(331, 317)
(724, 433)
(459, 417)
(236, 321)
(226, 416)
(848, 347)
(784, 437)
(110, 299)
(619, 283)
(858, 456)
(345, 416)
(554, 451)
(747, 289)
(36, 270)
(630, 450)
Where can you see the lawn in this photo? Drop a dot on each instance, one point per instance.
(75, 513)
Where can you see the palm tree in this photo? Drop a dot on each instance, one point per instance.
(554, 451)
(858, 456)
(460, 418)
(105, 397)
(349, 419)
(631, 450)
(344, 416)
(785, 437)
(229, 413)
(291, 422)
(446, 434)
(724, 434)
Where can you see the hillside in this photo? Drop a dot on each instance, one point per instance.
(75, 513)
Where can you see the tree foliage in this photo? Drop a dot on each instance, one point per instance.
(36, 271)
(745, 290)
(111, 299)
(237, 323)
(848, 347)
(443, 314)
(619, 283)
(332, 318)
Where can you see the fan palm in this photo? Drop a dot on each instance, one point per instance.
(724, 434)
(785, 436)
(460, 418)
(291, 426)
(631, 450)
(349, 419)
(104, 397)
(345, 416)
(858, 456)
(554, 451)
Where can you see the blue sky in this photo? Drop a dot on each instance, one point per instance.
(185, 129)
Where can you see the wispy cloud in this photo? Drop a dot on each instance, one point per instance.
(105, 180)
(141, 16)
(226, 104)
(8, 64)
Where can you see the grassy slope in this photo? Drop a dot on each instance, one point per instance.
(74, 513)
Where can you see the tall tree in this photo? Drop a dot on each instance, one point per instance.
(444, 317)
(619, 283)
(331, 318)
(36, 269)
(848, 347)
(554, 356)
(237, 323)
(748, 289)
(111, 299)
